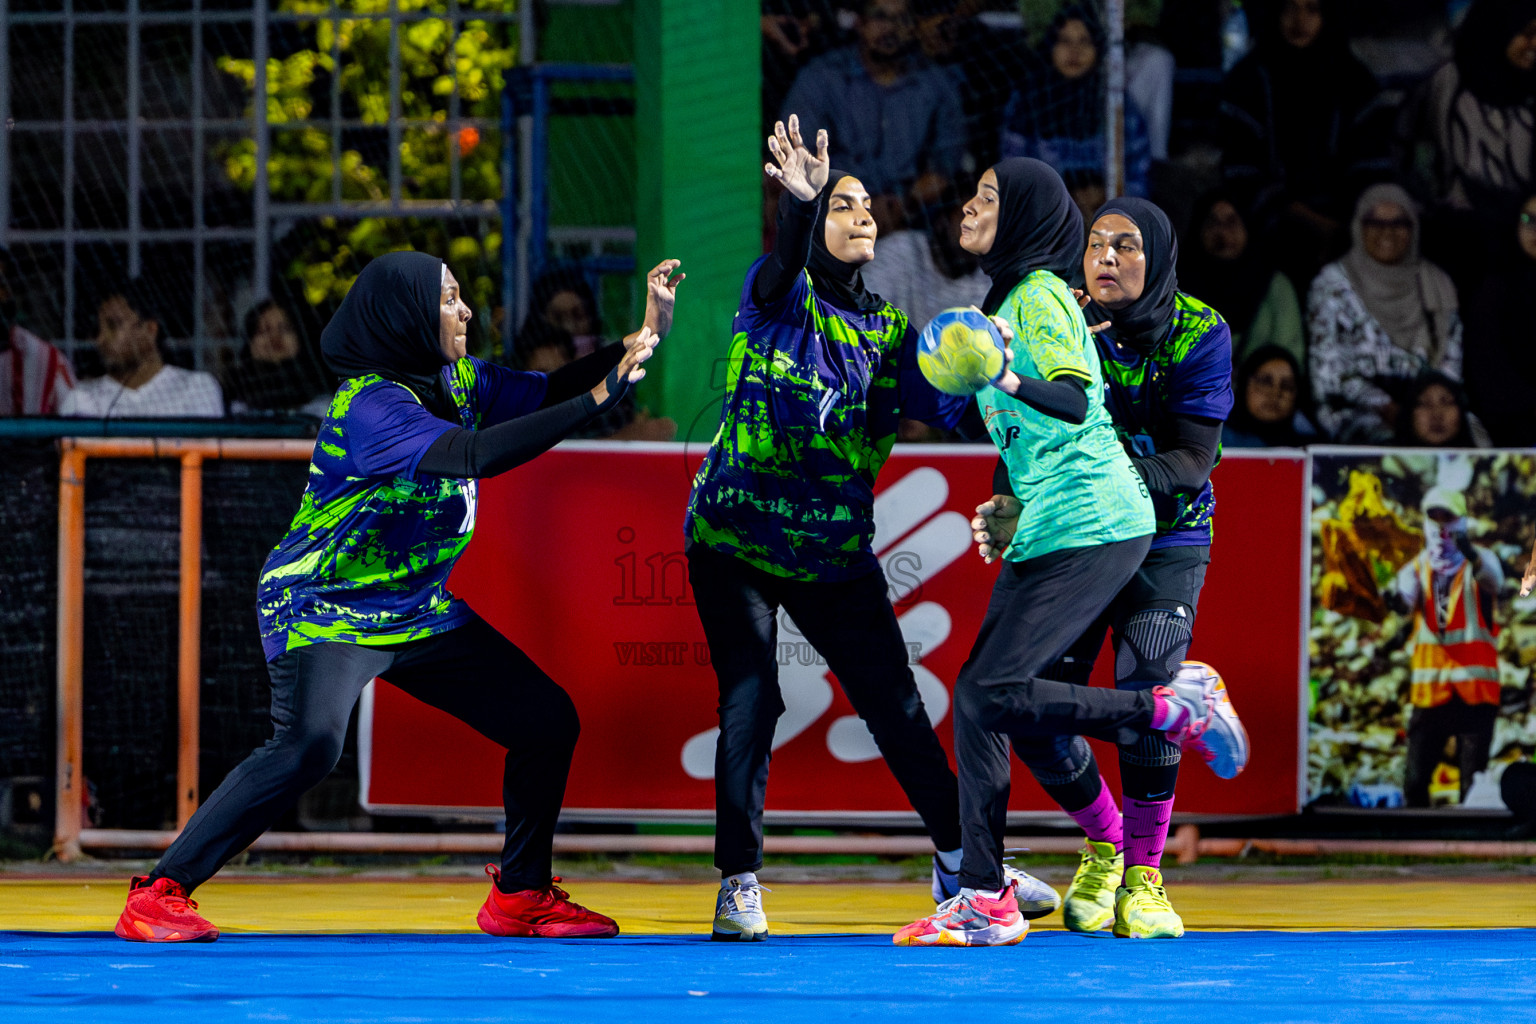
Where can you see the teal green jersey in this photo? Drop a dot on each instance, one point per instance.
(1075, 481)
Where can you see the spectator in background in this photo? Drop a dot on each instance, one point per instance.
(276, 371)
(34, 376)
(896, 117)
(923, 271)
(1500, 350)
(1149, 71)
(1472, 129)
(139, 383)
(1434, 414)
(1221, 265)
(794, 32)
(1057, 114)
(545, 348)
(1300, 128)
(562, 298)
(1377, 319)
(986, 60)
(1269, 410)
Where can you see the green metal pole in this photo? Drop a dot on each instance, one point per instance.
(699, 192)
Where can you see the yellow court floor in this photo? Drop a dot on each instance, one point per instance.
(449, 905)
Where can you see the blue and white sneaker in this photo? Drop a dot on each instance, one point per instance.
(1034, 897)
(739, 913)
(1213, 729)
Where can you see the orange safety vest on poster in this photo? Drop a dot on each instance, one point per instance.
(1458, 655)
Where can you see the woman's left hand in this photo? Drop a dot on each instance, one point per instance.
(661, 296)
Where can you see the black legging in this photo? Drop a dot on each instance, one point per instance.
(851, 624)
(472, 672)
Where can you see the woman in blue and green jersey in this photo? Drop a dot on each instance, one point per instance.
(357, 589)
(1167, 362)
(1072, 520)
(782, 516)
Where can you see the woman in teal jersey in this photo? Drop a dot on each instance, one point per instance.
(1071, 520)
(1167, 359)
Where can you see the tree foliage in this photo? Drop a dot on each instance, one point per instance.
(435, 55)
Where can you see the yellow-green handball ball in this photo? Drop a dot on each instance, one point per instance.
(960, 352)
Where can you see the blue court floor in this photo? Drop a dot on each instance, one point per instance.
(1383, 977)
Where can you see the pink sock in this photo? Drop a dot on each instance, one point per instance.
(1146, 830)
(1166, 715)
(1101, 819)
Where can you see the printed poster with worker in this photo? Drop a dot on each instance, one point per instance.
(1421, 645)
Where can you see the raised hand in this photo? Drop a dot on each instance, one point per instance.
(660, 297)
(994, 526)
(637, 349)
(802, 173)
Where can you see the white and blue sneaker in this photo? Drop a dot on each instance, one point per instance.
(739, 912)
(1034, 897)
(1211, 728)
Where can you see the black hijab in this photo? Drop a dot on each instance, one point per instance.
(1480, 47)
(837, 282)
(1051, 105)
(1281, 434)
(1144, 322)
(388, 325)
(1038, 228)
(1235, 287)
(288, 384)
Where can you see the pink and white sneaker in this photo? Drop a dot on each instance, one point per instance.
(1210, 725)
(969, 919)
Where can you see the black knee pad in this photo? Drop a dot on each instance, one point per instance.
(1149, 646)
(1154, 750)
(1056, 761)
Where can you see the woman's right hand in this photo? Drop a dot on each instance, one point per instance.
(802, 173)
(629, 370)
(994, 526)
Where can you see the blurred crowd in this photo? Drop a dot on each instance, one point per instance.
(132, 371)
(1353, 182)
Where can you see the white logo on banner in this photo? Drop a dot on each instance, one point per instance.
(930, 540)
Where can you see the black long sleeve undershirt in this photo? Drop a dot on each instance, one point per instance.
(581, 375)
(1065, 398)
(462, 454)
(1187, 463)
(791, 252)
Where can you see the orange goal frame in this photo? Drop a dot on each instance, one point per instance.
(68, 833)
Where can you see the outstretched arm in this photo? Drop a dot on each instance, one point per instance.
(464, 453)
(803, 175)
(586, 373)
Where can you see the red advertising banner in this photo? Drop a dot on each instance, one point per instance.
(577, 558)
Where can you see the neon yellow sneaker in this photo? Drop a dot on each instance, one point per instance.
(1090, 903)
(1142, 910)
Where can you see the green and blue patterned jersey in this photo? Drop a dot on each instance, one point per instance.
(1188, 373)
(1075, 482)
(367, 558)
(813, 396)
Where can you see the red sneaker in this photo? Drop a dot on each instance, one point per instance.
(161, 912)
(544, 913)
